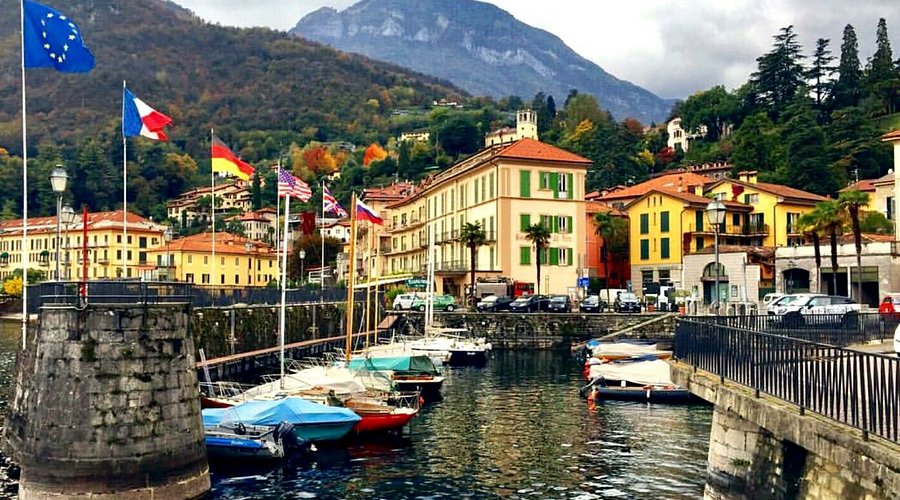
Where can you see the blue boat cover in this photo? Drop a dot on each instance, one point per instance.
(212, 416)
(416, 364)
(293, 410)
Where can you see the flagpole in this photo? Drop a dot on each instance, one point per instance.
(375, 254)
(124, 196)
(212, 209)
(352, 277)
(368, 255)
(281, 327)
(24, 188)
(277, 228)
(322, 238)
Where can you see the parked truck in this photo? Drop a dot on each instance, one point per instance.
(502, 286)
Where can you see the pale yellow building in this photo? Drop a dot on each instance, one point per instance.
(238, 261)
(505, 188)
(104, 246)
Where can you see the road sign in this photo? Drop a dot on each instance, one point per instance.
(584, 282)
(417, 283)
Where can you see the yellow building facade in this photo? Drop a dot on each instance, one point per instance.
(504, 188)
(105, 238)
(237, 262)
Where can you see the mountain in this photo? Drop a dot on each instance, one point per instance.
(203, 76)
(478, 47)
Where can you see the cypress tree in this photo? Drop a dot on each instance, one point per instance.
(882, 77)
(819, 74)
(846, 88)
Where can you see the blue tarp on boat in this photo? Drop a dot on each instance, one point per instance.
(415, 364)
(212, 416)
(270, 413)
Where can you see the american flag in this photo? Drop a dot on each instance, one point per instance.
(331, 204)
(288, 185)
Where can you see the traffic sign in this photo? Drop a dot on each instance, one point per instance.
(584, 282)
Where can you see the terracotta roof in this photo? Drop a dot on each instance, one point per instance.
(96, 220)
(694, 199)
(863, 185)
(776, 189)
(394, 192)
(596, 207)
(885, 179)
(531, 149)
(226, 243)
(669, 182)
(891, 136)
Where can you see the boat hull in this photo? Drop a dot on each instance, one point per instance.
(319, 432)
(208, 402)
(237, 448)
(476, 358)
(382, 422)
(661, 395)
(429, 390)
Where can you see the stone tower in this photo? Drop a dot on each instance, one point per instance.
(526, 124)
(106, 403)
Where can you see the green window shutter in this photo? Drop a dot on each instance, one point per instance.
(554, 222)
(569, 260)
(664, 248)
(554, 184)
(525, 256)
(524, 222)
(525, 183)
(570, 187)
(569, 227)
(554, 256)
(699, 221)
(544, 182)
(747, 199)
(645, 223)
(645, 249)
(664, 222)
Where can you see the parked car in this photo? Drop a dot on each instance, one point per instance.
(560, 303)
(627, 302)
(441, 303)
(771, 297)
(525, 303)
(592, 303)
(813, 309)
(494, 303)
(781, 301)
(405, 301)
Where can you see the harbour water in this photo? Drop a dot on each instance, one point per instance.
(516, 429)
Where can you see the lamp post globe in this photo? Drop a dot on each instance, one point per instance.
(302, 255)
(715, 214)
(58, 180)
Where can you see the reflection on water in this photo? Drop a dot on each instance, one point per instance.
(516, 429)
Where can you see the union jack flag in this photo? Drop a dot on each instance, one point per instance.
(288, 185)
(331, 204)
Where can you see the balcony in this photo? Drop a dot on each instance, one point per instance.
(749, 230)
(103, 261)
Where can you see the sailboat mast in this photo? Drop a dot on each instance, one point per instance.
(351, 278)
(368, 282)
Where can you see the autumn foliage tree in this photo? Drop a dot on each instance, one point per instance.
(374, 153)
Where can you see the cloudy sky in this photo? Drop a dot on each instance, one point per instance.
(670, 48)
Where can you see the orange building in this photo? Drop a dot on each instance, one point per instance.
(617, 271)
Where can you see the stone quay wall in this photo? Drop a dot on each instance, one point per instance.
(764, 448)
(105, 406)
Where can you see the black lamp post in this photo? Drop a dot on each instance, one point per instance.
(715, 214)
(58, 178)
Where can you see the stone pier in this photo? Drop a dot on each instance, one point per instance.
(106, 405)
(762, 447)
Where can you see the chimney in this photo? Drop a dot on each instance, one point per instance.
(751, 176)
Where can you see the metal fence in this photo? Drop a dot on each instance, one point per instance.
(852, 387)
(133, 291)
(834, 329)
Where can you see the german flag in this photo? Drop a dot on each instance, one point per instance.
(224, 161)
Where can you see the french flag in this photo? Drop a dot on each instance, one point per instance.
(366, 212)
(140, 119)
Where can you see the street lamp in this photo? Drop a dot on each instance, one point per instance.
(302, 256)
(249, 247)
(167, 235)
(58, 178)
(715, 214)
(68, 217)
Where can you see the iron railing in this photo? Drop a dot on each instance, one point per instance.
(73, 293)
(834, 329)
(852, 387)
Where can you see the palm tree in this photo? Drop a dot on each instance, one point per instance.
(809, 225)
(852, 201)
(472, 236)
(831, 220)
(614, 231)
(539, 236)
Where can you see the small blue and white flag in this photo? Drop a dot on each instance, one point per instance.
(52, 40)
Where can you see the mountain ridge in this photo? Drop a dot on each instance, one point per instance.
(478, 47)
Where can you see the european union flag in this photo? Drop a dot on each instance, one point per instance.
(52, 40)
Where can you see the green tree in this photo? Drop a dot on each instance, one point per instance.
(779, 73)
(830, 218)
(819, 74)
(807, 166)
(882, 77)
(256, 191)
(855, 145)
(472, 236)
(714, 109)
(874, 222)
(810, 225)
(852, 202)
(846, 87)
(757, 145)
(539, 236)
(614, 232)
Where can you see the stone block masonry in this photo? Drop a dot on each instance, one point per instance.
(106, 406)
(761, 447)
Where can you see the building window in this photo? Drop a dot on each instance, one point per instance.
(665, 277)
(699, 242)
(142, 242)
(645, 223)
(664, 222)
(491, 185)
(565, 256)
(525, 183)
(525, 256)
(563, 186)
(204, 279)
(189, 277)
(890, 207)
(646, 278)
(664, 248)
(544, 180)
(190, 259)
(645, 249)
(119, 238)
(237, 280)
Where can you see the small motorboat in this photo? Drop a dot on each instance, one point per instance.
(380, 417)
(625, 350)
(313, 422)
(642, 378)
(241, 442)
(408, 373)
